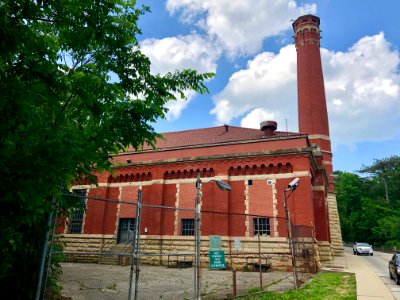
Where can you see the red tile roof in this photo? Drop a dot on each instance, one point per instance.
(214, 135)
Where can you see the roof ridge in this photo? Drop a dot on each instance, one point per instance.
(220, 126)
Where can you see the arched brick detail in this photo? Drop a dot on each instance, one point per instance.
(254, 170)
(239, 170)
(231, 171)
(246, 170)
(271, 169)
(260, 169)
(188, 173)
(130, 177)
(212, 173)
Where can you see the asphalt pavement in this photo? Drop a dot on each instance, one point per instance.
(369, 284)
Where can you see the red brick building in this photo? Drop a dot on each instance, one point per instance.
(257, 164)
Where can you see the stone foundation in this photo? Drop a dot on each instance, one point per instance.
(325, 251)
(334, 223)
(178, 250)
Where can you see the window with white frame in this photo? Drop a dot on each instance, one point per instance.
(261, 226)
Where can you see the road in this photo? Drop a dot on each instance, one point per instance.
(379, 264)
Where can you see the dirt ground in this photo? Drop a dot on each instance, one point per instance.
(95, 281)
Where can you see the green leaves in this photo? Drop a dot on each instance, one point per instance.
(76, 89)
(365, 214)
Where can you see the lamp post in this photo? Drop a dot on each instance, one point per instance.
(197, 270)
(291, 188)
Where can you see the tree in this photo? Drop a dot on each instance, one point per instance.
(75, 89)
(349, 190)
(386, 172)
(365, 213)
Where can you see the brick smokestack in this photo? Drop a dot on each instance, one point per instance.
(312, 109)
(313, 116)
(313, 120)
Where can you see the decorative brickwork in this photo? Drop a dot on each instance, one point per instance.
(257, 164)
(313, 115)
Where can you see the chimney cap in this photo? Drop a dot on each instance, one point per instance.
(307, 19)
(268, 127)
(268, 124)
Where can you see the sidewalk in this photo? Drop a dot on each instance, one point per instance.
(369, 285)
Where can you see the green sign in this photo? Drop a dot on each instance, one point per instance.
(215, 241)
(217, 259)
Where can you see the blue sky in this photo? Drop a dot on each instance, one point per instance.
(249, 45)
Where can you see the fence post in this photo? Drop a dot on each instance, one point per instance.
(51, 249)
(290, 239)
(234, 282)
(197, 279)
(44, 254)
(135, 249)
(259, 252)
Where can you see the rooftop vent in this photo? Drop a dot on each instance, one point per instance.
(268, 127)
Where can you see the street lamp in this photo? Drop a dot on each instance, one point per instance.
(197, 276)
(291, 188)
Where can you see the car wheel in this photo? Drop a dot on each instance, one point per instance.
(390, 275)
(398, 280)
(372, 254)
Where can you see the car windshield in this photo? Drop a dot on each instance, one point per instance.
(363, 244)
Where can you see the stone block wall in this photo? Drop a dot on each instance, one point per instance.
(169, 250)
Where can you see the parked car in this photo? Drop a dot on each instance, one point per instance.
(394, 268)
(362, 248)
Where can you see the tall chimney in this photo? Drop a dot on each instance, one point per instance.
(313, 116)
(313, 120)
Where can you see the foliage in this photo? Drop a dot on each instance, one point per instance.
(386, 172)
(323, 286)
(75, 88)
(55, 271)
(366, 213)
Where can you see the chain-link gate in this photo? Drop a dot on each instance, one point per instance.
(305, 252)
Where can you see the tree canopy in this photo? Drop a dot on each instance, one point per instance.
(387, 172)
(75, 89)
(369, 206)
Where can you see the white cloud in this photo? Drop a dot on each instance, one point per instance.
(256, 116)
(176, 107)
(266, 89)
(362, 88)
(177, 53)
(181, 52)
(363, 91)
(239, 26)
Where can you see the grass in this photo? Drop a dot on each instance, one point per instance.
(325, 285)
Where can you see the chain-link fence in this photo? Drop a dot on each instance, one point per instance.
(146, 256)
(305, 252)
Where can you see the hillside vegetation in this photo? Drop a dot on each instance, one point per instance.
(369, 203)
